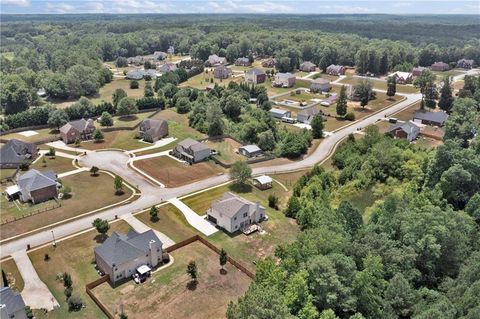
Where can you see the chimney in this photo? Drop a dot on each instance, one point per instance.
(153, 252)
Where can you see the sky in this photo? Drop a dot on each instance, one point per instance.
(241, 6)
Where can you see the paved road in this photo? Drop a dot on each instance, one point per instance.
(35, 293)
(151, 194)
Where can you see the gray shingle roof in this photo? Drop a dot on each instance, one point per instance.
(13, 301)
(16, 151)
(231, 204)
(33, 180)
(120, 248)
(251, 148)
(79, 125)
(438, 117)
(255, 71)
(408, 127)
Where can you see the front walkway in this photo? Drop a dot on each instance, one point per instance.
(35, 293)
(140, 227)
(75, 171)
(193, 219)
(62, 146)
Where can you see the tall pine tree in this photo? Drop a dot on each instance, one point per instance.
(446, 97)
(342, 102)
(391, 86)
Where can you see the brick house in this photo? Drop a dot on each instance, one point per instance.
(285, 80)
(37, 187)
(407, 130)
(255, 76)
(82, 129)
(243, 62)
(403, 77)
(153, 130)
(465, 64)
(418, 70)
(269, 63)
(334, 69)
(440, 67)
(320, 85)
(191, 151)
(307, 67)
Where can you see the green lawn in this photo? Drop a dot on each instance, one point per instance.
(57, 164)
(201, 81)
(105, 93)
(15, 280)
(7, 172)
(125, 140)
(129, 121)
(277, 90)
(42, 134)
(380, 84)
(75, 256)
(227, 150)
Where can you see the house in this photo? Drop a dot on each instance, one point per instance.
(464, 63)
(334, 69)
(430, 118)
(439, 66)
(263, 182)
(243, 62)
(306, 116)
(167, 67)
(36, 187)
(269, 63)
(159, 55)
(250, 150)
(285, 80)
(222, 72)
(136, 74)
(171, 50)
(191, 151)
(16, 152)
(332, 98)
(120, 255)
(153, 130)
(406, 130)
(403, 77)
(418, 70)
(320, 85)
(307, 66)
(137, 60)
(11, 304)
(215, 60)
(279, 113)
(152, 73)
(234, 213)
(81, 129)
(255, 76)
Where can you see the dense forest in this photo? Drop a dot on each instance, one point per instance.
(416, 254)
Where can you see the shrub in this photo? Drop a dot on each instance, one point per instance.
(68, 292)
(134, 84)
(75, 303)
(273, 201)
(350, 116)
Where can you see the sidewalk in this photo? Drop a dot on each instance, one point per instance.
(35, 293)
(141, 228)
(162, 142)
(75, 171)
(193, 219)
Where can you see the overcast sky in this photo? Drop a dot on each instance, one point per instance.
(243, 6)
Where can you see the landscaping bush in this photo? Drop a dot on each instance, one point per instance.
(151, 103)
(68, 292)
(273, 201)
(134, 84)
(106, 119)
(75, 303)
(350, 116)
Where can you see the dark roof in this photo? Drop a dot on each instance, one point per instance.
(256, 71)
(120, 248)
(79, 125)
(437, 117)
(13, 301)
(33, 180)
(16, 151)
(231, 204)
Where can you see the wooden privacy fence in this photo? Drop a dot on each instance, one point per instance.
(33, 213)
(88, 290)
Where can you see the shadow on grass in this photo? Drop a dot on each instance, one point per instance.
(192, 285)
(127, 118)
(100, 238)
(223, 271)
(240, 188)
(119, 192)
(154, 219)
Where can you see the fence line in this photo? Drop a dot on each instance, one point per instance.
(33, 213)
(88, 290)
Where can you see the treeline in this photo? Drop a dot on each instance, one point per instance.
(417, 253)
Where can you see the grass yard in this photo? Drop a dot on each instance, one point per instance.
(227, 150)
(201, 81)
(42, 135)
(7, 172)
(128, 121)
(407, 114)
(88, 193)
(105, 93)
(75, 256)
(440, 76)
(15, 280)
(168, 291)
(125, 140)
(247, 249)
(277, 90)
(173, 173)
(170, 221)
(57, 164)
(379, 84)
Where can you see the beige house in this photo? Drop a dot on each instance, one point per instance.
(307, 67)
(234, 213)
(153, 130)
(402, 77)
(191, 151)
(222, 72)
(320, 85)
(82, 129)
(285, 80)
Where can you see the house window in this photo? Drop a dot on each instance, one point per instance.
(244, 214)
(235, 218)
(236, 226)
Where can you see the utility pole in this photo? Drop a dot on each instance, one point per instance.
(54, 242)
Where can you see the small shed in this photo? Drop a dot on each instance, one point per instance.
(250, 150)
(263, 182)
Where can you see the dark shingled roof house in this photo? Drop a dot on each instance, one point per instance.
(153, 130)
(11, 304)
(15, 152)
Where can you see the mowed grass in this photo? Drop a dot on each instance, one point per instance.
(173, 173)
(168, 291)
(7, 172)
(278, 90)
(75, 256)
(249, 249)
(201, 81)
(42, 135)
(227, 150)
(57, 164)
(15, 280)
(105, 93)
(379, 84)
(88, 193)
(128, 121)
(124, 139)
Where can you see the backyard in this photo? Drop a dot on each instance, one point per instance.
(227, 149)
(124, 139)
(379, 84)
(75, 256)
(173, 173)
(40, 135)
(169, 293)
(278, 90)
(202, 80)
(88, 193)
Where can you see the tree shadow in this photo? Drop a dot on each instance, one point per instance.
(154, 219)
(100, 238)
(240, 188)
(119, 192)
(127, 118)
(192, 285)
(223, 271)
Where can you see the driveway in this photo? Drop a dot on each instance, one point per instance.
(61, 145)
(35, 293)
(193, 218)
(141, 228)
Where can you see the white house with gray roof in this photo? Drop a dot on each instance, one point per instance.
(279, 113)
(306, 116)
(407, 130)
(11, 304)
(37, 186)
(120, 255)
(234, 213)
(285, 80)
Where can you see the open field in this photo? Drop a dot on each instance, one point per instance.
(277, 90)
(168, 291)
(75, 256)
(440, 76)
(248, 249)
(15, 280)
(173, 173)
(42, 134)
(201, 81)
(407, 114)
(106, 91)
(57, 164)
(227, 150)
(379, 84)
(128, 121)
(125, 140)
(88, 193)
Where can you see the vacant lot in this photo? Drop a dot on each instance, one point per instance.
(407, 114)
(105, 93)
(88, 193)
(201, 81)
(247, 249)
(168, 291)
(15, 280)
(57, 164)
(173, 173)
(380, 84)
(75, 256)
(227, 150)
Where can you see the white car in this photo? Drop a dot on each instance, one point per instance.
(136, 278)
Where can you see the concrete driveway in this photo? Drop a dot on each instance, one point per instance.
(193, 218)
(35, 293)
(141, 228)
